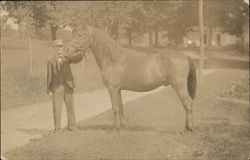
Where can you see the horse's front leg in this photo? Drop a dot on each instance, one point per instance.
(122, 118)
(114, 94)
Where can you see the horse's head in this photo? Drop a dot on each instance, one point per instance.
(81, 42)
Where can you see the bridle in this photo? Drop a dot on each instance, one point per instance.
(83, 46)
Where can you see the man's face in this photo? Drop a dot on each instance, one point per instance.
(59, 49)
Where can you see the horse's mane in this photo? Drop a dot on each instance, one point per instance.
(109, 47)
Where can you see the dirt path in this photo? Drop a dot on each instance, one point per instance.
(21, 124)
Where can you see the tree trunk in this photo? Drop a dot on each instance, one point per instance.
(156, 33)
(74, 31)
(129, 37)
(54, 29)
(117, 34)
(116, 37)
(30, 57)
(23, 31)
(150, 38)
(245, 38)
(210, 36)
(115, 30)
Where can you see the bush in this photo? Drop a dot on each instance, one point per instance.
(239, 89)
(22, 89)
(242, 46)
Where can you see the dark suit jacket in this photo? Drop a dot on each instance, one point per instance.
(53, 67)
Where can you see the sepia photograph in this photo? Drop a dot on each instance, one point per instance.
(125, 80)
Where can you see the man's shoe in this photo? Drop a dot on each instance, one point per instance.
(58, 131)
(73, 129)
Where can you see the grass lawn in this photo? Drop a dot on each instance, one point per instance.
(221, 129)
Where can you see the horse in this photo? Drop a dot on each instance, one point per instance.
(124, 69)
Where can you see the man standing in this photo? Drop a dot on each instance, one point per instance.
(60, 82)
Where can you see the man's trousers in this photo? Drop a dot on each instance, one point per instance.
(63, 93)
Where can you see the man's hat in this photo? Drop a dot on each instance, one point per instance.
(58, 42)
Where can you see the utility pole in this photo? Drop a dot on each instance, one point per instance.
(1, 35)
(201, 24)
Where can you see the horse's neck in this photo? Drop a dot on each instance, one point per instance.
(103, 59)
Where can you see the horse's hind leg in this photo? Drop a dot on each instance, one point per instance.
(114, 94)
(187, 103)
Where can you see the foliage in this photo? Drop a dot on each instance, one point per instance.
(183, 21)
(230, 16)
(119, 17)
(38, 14)
(234, 16)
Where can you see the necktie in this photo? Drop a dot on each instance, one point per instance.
(58, 62)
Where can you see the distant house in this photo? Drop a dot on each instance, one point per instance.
(218, 38)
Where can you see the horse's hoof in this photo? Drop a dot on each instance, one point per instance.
(117, 129)
(73, 129)
(57, 131)
(188, 130)
(124, 126)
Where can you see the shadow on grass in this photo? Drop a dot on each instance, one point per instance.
(33, 131)
(109, 127)
(104, 127)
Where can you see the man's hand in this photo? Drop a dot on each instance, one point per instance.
(49, 93)
(63, 59)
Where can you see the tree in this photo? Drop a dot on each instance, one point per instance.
(20, 12)
(43, 13)
(230, 16)
(154, 16)
(4, 17)
(234, 20)
(212, 16)
(115, 17)
(51, 13)
(183, 21)
(136, 25)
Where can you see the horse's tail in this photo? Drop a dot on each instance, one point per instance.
(192, 79)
